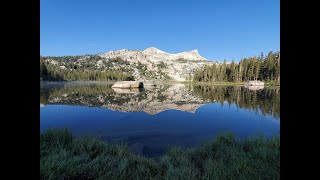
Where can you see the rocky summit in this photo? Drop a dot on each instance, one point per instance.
(153, 54)
(178, 67)
(144, 65)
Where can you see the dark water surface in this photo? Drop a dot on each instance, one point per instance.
(153, 118)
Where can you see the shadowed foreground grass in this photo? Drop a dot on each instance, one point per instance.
(64, 157)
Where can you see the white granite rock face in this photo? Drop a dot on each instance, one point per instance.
(155, 64)
(179, 66)
(153, 54)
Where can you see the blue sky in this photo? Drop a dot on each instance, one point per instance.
(219, 29)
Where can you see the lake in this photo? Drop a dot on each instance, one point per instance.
(152, 119)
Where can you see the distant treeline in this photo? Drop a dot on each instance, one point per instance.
(253, 68)
(86, 72)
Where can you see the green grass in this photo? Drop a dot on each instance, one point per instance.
(64, 157)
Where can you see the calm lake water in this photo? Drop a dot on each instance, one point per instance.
(152, 119)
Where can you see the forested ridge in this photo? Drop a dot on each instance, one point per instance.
(95, 67)
(69, 68)
(252, 68)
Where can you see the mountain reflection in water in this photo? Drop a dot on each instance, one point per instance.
(152, 118)
(152, 100)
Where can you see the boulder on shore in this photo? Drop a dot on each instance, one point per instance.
(254, 83)
(127, 90)
(127, 84)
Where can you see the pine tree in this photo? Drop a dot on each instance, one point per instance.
(43, 70)
(257, 69)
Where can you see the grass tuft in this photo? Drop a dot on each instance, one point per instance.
(63, 156)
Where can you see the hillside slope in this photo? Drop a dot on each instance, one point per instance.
(149, 64)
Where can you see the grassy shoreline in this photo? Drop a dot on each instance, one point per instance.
(64, 157)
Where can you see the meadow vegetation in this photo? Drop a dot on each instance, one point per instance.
(62, 156)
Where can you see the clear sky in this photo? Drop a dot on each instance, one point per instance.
(219, 29)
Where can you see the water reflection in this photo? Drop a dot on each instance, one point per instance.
(267, 100)
(128, 91)
(152, 100)
(153, 118)
(254, 88)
